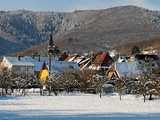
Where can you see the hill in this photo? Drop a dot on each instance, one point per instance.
(79, 31)
(112, 29)
(20, 30)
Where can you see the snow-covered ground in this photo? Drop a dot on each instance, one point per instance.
(78, 107)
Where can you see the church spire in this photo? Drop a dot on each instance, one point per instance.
(51, 45)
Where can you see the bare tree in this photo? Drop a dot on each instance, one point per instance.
(21, 82)
(52, 84)
(120, 87)
(5, 81)
(85, 81)
(147, 82)
(98, 83)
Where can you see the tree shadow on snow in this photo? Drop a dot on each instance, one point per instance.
(10, 115)
(8, 97)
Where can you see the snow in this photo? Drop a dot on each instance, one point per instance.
(78, 107)
(15, 61)
(128, 69)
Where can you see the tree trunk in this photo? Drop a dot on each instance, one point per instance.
(49, 90)
(12, 90)
(41, 92)
(144, 98)
(150, 97)
(100, 93)
(23, 92)
(55, 92)
(6, 91)
(120, 96)
(2, 92)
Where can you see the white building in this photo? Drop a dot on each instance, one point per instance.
(17, 65)
(30, 64)
(128, 69)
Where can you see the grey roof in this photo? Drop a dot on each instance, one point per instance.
(15, 61)
(61, 66)
(57, 66)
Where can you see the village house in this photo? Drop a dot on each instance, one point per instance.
(82, 61)
(33, 64)
(101, 61)
(154, 58)
(17, 65)
(98, 61)
(122, 70)
(130, 66)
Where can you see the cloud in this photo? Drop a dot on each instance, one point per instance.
(141, 3)
(150, 4)
(137, 2)
(70, 5)
(102, 4)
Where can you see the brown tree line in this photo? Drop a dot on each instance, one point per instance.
(83, 81)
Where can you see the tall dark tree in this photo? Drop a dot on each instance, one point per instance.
(135, 50)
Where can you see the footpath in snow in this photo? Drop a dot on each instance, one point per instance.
(78, 107)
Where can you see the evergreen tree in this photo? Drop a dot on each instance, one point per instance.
(136, 50)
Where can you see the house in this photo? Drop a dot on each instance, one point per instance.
(34, 64)
(38, 62)
(128, 69)
(85, 63)
(153, 57)
(102, 60)
(82, 61)
(62, 66)
(63, 56)
(112, 73)
(18, 65)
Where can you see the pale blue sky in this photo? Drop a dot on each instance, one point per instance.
(71, 5)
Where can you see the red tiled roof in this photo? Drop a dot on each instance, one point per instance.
(101, 58)
(63, 56)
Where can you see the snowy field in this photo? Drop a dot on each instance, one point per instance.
(78, 107)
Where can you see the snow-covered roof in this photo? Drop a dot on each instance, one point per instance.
(72, 58)
(85, 60)
(37, 63)
(78, 59)
(28, 61)
(61, 66)
(128, 69)
(17, 62)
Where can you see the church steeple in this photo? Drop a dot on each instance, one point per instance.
(51, 45)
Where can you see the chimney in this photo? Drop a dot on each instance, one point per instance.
(19, 58)
(39, 58)
(33, 56)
